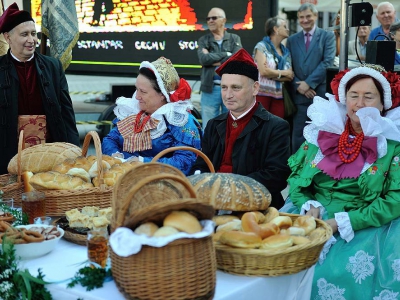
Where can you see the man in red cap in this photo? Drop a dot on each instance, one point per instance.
(247, 140)
(32, 87)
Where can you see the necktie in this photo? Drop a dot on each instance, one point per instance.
(307, 40)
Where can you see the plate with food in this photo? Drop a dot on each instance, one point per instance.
(31, 241)
(77, 223)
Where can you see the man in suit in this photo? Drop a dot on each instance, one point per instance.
(362, 38)
(313, 50)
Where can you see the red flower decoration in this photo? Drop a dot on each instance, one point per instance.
(336, 81)
(183, 91)
(394, 81)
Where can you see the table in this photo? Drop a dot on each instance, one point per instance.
(64, 261)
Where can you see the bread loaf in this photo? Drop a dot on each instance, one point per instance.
(43, 157)
(183, 221)
(231, 191)
(57, 181)
(70, 163)
(111, 176)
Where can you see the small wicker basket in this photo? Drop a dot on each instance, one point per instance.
(183, 269)
(256, 262)
(60, 201)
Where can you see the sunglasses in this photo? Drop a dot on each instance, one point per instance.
(213, 18)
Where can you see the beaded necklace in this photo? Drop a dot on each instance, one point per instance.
(354, 145)
(139, 123)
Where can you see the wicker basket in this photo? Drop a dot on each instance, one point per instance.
(72, 237)
(255, 262)
(60, 201)
(183, 269)
(12, 185)
(198, 152)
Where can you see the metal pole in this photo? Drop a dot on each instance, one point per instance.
(344, 39)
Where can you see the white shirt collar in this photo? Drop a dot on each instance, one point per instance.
(243, 114)
(19, 60)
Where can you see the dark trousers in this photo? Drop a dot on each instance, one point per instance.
(299, 122)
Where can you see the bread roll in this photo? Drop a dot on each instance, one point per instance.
(70, 163)
(220, 220)
(231, 191)
(277, 242)
(148, 229)
(234, 225)
(250, 222)
(272, 213)
(216, 236)
(111, 176)
(111, 160)
(183, 221)
(70, 213)
(306, 222)
(300, 240)
(99, 223)
(93, 172)
(317, 233)
(79, 172)
(26, 176)
(78, 220)
(293, 230)
(56, 181)
(283, 222)
(165, 231)
(240, 239)
(106, 212)
(43, 157)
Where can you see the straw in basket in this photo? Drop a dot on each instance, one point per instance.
(183, 269)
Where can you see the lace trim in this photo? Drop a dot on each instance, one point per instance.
(327, 246)
(306, 207)
(176, 113)
(344, 226)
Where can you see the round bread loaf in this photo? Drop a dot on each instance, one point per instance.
(183, 221)
(43, 157)
(148, 229)
(231, 191)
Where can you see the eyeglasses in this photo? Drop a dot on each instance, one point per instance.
(213, 18)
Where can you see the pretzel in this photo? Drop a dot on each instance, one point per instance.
(32, 236)
(4, 226)
(14, 237)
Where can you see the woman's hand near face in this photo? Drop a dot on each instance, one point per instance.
(314, 212)
(333, 224)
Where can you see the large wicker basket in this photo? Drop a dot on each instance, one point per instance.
(12, 185)
(256, 262)
(60, 201)
(183, 269)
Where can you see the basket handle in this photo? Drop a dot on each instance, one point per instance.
(99, 156)
(197, 151)
(136, 187)
(21, 146)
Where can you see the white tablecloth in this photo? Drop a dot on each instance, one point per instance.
(64, 261)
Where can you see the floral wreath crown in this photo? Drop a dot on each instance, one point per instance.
(390, 82)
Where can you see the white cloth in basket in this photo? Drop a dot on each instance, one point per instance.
(125, 242)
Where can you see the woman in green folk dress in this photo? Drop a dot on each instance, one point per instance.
(347, 172)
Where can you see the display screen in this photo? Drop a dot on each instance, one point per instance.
(117, 35)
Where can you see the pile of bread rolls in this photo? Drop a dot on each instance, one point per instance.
(270, 231)
(173, 223)
(76, 173)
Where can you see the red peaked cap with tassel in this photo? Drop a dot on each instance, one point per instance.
(12, 17)
(241, 63)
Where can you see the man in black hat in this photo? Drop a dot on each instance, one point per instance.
(247, 140)
(32, 87)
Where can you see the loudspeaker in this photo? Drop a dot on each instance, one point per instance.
(381, 53)
(122, 91)
(360, 14)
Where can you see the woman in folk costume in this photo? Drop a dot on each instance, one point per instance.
(347, 172)
(157, 117)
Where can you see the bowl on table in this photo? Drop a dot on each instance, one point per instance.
(33, 250)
